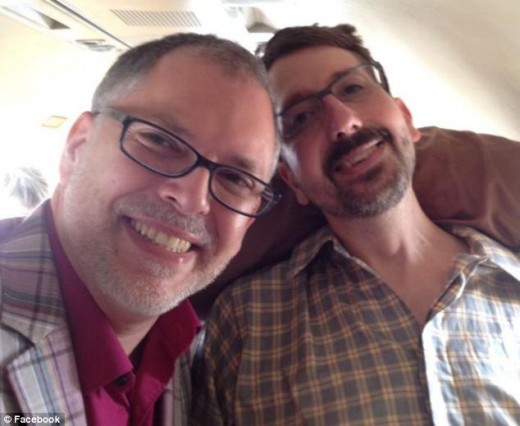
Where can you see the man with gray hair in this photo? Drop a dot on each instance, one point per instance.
(158, 184)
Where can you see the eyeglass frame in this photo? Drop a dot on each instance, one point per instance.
(319, 95)
(201, 161)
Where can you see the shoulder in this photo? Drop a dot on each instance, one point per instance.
(24, 241)
(492, 252)
(480, 243)
(24, 228)
(247, 295)
(274, 288)
(8, 226)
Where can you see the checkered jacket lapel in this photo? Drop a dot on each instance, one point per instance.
(35, 346)
(41, 368)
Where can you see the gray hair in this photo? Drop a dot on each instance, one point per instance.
(135, 63)
(132, 65)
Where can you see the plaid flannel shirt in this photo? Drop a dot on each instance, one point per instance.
(321, 340)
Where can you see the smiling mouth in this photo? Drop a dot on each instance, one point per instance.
(168, 242)
(357, 156)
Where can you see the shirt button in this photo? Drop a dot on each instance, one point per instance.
(122, 380)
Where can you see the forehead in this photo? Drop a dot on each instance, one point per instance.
(184, 71)
(225, 116)
(308, 70)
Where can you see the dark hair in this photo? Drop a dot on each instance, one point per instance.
(136, 62)
(291, 39)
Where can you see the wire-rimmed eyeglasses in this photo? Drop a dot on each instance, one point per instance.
(166, 154)
(354, 85)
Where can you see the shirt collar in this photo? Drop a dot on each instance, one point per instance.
(480, 245)
(488, 250)
(308, 250)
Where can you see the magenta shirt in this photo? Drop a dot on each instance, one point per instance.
(113, 392)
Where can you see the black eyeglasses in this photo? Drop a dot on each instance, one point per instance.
(164, 153)
(354, 85)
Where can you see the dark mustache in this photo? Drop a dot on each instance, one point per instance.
(346, 144)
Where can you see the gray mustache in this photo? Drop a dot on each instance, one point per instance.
(193, 224)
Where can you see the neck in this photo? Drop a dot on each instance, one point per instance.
(130, 328)
(131, 334)
(408, 252)
(402, 231)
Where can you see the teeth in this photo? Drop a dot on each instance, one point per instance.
(365, 153)
(172, 244)
(361, 154)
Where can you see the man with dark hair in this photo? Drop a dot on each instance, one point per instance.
(158, 185)
(382, 316)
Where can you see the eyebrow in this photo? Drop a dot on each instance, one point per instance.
(170, 124)
(173, 126)
(245, 164)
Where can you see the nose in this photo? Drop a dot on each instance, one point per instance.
(341, 119)
(189, 194)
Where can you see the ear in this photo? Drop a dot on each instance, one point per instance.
(416, 135)
(288, 176)
(77, 137)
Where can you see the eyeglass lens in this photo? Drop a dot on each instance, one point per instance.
(163, 153)
(354, 86)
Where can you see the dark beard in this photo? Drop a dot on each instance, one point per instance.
(350, 203)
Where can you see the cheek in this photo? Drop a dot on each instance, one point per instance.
(384, 113)
(120, 175)
(310, 154)
(378, 112)
(100, 182)
(117, 173)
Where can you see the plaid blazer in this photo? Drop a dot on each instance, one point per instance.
(38, 373)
